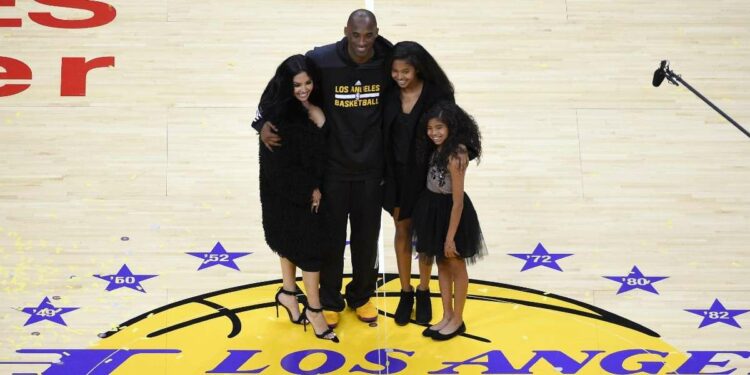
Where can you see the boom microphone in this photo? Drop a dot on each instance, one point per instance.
(659, 74)
(674, 78)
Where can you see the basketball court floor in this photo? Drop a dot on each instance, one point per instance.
(616, 214)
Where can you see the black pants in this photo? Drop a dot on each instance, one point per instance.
(360, 203)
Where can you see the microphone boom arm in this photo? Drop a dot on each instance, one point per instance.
(676, 80)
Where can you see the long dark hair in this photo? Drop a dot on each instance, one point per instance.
(462, 131)
(278, 98)
(427, 69)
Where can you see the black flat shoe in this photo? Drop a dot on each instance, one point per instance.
(403, 311)
(429, 332)
(424, 307)
(301, 317)
(437, 336)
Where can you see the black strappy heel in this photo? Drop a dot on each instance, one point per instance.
(296, 294)
(323, 335)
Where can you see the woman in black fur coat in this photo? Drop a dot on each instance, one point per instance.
(290, 180)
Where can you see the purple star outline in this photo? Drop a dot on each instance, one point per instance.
(124, 278)
(637, 276)
(218, 256)
(540, 257)
(717, 314)
(46, 311)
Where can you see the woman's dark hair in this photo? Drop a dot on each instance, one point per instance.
(278, 98)
(463, 134)
(427, 69)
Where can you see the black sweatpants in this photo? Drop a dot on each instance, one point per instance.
(360, 203)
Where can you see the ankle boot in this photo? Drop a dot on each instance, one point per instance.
(405, 305)
(424, 307)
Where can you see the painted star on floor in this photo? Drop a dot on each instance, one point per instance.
(636, 280)
(124, 278)
(218, 256)
(540, 257)
(47, 311)
(717, 313)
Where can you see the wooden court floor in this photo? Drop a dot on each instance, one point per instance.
(582, 154)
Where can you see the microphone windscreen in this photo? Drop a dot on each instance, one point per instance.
(658, 77)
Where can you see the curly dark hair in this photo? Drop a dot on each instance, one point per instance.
(427, 69)
(463, 134)
(278, 98)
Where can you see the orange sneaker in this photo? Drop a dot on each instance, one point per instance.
(331, 317)
(367, 312)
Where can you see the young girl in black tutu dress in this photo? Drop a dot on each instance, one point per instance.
(446, 227)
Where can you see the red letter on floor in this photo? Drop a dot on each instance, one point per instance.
(74, 71)
(103, 14)
(9, 22)
(13, 69)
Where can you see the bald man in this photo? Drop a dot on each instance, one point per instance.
(353, 76)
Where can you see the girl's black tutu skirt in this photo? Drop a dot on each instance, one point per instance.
(430, 220)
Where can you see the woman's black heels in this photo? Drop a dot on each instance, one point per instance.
(326, 333)
(301, 317)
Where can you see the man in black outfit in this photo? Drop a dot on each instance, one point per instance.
(353, 76)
